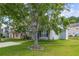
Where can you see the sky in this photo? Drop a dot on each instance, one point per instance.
(74, 10)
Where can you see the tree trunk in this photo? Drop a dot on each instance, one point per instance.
(36, 39)
(0, 33)
(35, 29)
(48, 34)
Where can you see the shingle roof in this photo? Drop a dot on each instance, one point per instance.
(74, 25)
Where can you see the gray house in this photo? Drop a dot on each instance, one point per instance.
(9, 33)
(73, 29)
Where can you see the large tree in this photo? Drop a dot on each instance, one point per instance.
(34, 17)
(42, 22)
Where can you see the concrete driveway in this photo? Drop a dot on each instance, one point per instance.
(6, 44)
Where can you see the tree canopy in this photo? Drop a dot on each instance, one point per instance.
(24, 15)
(34, 17)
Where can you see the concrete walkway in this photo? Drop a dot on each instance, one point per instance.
(6, 44)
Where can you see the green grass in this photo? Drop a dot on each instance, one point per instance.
(51, 48)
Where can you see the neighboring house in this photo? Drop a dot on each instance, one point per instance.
(15, 35)
(5, 32)
(73, 29)
(8, 32)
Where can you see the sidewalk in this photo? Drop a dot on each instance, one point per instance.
(6, 44)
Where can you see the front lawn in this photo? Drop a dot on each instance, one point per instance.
(51, 48)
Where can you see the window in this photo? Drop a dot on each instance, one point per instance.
(44, 34)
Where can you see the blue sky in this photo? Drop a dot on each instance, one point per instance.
(74, 10)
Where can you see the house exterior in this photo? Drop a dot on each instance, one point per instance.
(72, 30)
(10, 33)
(15, 35)
(7, 32)
(54, 36)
